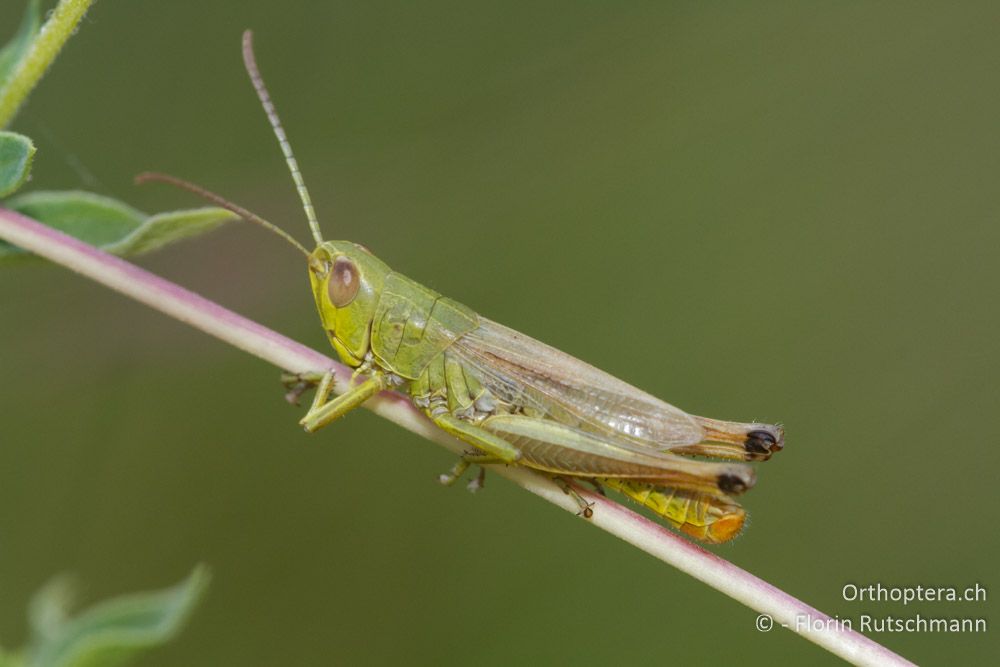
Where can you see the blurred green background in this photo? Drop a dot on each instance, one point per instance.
(774, 211)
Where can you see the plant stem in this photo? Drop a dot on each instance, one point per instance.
(247, 335)
(44, 49)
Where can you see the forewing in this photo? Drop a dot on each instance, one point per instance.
(522, 371)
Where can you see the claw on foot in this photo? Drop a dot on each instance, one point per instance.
(295, 392)
(586, 507)
(477, 482)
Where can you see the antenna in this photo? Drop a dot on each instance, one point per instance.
(249, 216)
(286, 148)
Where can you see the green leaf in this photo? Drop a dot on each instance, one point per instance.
(109, 632)
(16, 152)
(109, 224)
(165, 228)
(14, 50)
(92, 218)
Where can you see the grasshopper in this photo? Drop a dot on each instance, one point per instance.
(512, 399)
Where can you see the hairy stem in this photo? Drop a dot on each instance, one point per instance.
(44, 49)
(247, 335)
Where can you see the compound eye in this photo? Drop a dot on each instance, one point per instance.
(344, 282)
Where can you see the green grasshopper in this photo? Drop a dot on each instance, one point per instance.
(514, 400)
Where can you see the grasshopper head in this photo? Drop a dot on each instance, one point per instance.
(346, 283)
